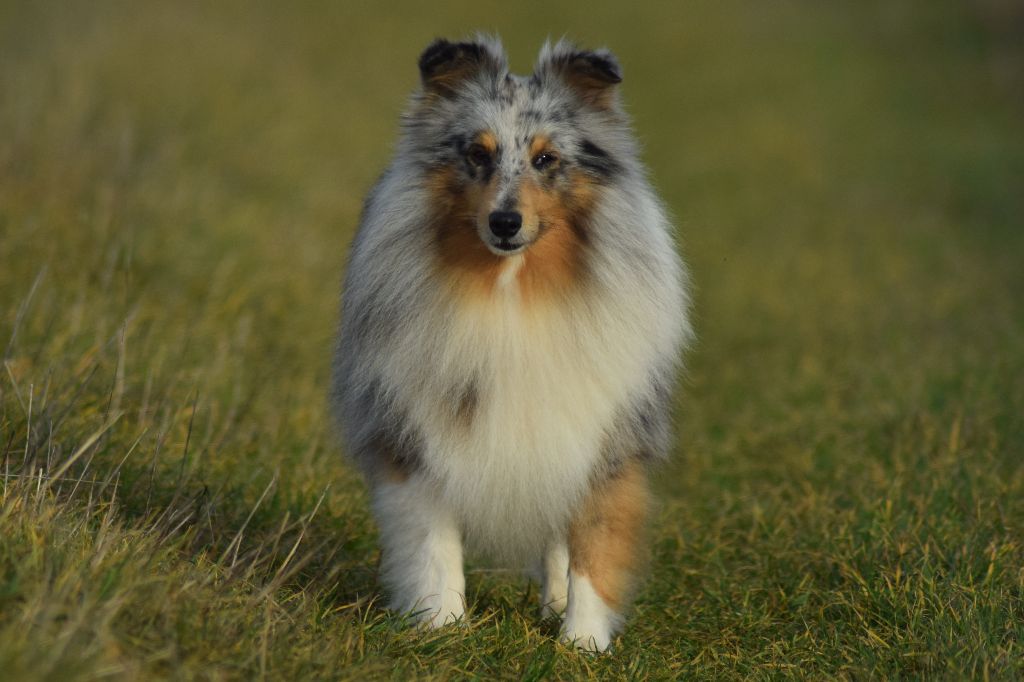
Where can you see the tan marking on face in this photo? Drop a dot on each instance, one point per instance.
(461, 253)
(486, 140)
(539, 144)
(553, 260)
(604, 537)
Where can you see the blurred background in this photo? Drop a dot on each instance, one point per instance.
(179, 183)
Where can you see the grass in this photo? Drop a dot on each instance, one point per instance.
(178, 184)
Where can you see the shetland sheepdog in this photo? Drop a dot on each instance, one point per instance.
(513, 313)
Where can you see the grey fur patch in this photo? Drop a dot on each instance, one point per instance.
(644, 428)
(386, 443)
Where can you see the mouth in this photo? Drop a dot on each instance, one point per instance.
(505, 247)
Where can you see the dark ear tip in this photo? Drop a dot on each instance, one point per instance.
(436, 53)
(605, 64)
(441, 52)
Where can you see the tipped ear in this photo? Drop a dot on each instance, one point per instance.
(444, 65)
(593, 74)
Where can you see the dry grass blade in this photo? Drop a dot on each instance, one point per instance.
(237, 539)
(82, 449)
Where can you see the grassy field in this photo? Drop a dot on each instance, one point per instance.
(178, 186)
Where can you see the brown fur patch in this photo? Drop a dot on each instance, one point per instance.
(604, 537)
(393, 460)
(467, 404)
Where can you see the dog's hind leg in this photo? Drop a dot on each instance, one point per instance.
(421, 559)
(603, 553)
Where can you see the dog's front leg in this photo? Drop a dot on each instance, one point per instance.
(421, 560)
(555, 574)
(603, 553)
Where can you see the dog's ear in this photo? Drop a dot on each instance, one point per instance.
(592, 74)
(444, 65)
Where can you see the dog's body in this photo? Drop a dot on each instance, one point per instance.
(513, 312)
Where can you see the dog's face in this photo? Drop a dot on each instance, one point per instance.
(510, 159)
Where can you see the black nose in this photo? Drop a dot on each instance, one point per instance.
(505, 224)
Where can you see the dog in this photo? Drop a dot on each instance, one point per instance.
(513, 314)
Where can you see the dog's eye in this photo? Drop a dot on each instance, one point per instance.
(544, 160)
(478, 155)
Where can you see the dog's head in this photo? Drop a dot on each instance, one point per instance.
(511, 161)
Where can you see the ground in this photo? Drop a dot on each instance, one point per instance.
(178, 186)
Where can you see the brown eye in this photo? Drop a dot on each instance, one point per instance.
(544, 160)
(478, 155)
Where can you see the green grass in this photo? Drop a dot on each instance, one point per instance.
(178, 185)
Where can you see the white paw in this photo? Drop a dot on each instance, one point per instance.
(434, 612)
(589, 637)
(589, 622)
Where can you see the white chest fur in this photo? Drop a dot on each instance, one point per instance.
(546, 382)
